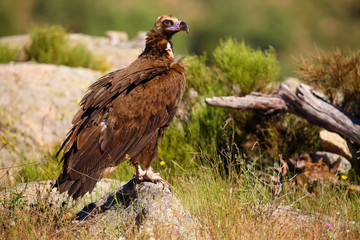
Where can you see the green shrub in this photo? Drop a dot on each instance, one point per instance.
(7, 53)
(250, 69)
(47, 44)
(50, 45)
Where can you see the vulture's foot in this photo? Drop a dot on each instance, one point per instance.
(155, 177)
(150, 176)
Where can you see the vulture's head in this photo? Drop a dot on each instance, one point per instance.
(169, 25)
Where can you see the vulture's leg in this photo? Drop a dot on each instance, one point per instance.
(139, 175)
(146, 157)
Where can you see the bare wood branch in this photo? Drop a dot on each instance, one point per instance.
(303, 103)
(317, 111)
(254, 101)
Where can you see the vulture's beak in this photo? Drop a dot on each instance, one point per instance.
(179, 26)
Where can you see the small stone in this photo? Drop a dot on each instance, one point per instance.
(333, 142)
(331, 158)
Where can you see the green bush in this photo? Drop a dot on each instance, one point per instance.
(7, 53)
(47, 44)
(50, 45)
(250, 69)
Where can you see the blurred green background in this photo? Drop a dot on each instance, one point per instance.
(291, 27)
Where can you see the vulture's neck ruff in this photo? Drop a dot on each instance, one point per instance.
(158, 41)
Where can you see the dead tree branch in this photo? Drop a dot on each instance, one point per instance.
(304, 103)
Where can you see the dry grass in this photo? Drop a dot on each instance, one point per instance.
(244, 208)
(234, 206)
(41, 221)
(336, 74)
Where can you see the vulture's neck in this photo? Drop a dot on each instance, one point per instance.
(158, 46)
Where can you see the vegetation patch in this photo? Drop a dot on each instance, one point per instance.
(50, 45)
(7, 53)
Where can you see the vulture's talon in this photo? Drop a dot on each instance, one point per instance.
(151, 176)
(156, 172)
(139, 178)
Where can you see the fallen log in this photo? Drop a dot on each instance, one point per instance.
(304, 103)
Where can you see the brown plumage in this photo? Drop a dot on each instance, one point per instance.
(124, 114)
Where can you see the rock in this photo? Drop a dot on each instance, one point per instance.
(147, 205)
(41, 99)
(116, 37)
(37, 103)
(333, 142)
(331, 158)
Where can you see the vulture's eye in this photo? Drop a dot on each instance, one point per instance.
(167, 22)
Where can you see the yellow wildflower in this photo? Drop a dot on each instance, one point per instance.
(11, 144)
(344, 177)
(3, 141)
(14, 136)
(353, 188)
(162, 163)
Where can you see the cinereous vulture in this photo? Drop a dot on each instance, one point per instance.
(124, 115)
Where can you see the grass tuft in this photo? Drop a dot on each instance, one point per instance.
(7, 53)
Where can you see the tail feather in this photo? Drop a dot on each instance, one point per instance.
(76, 187)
